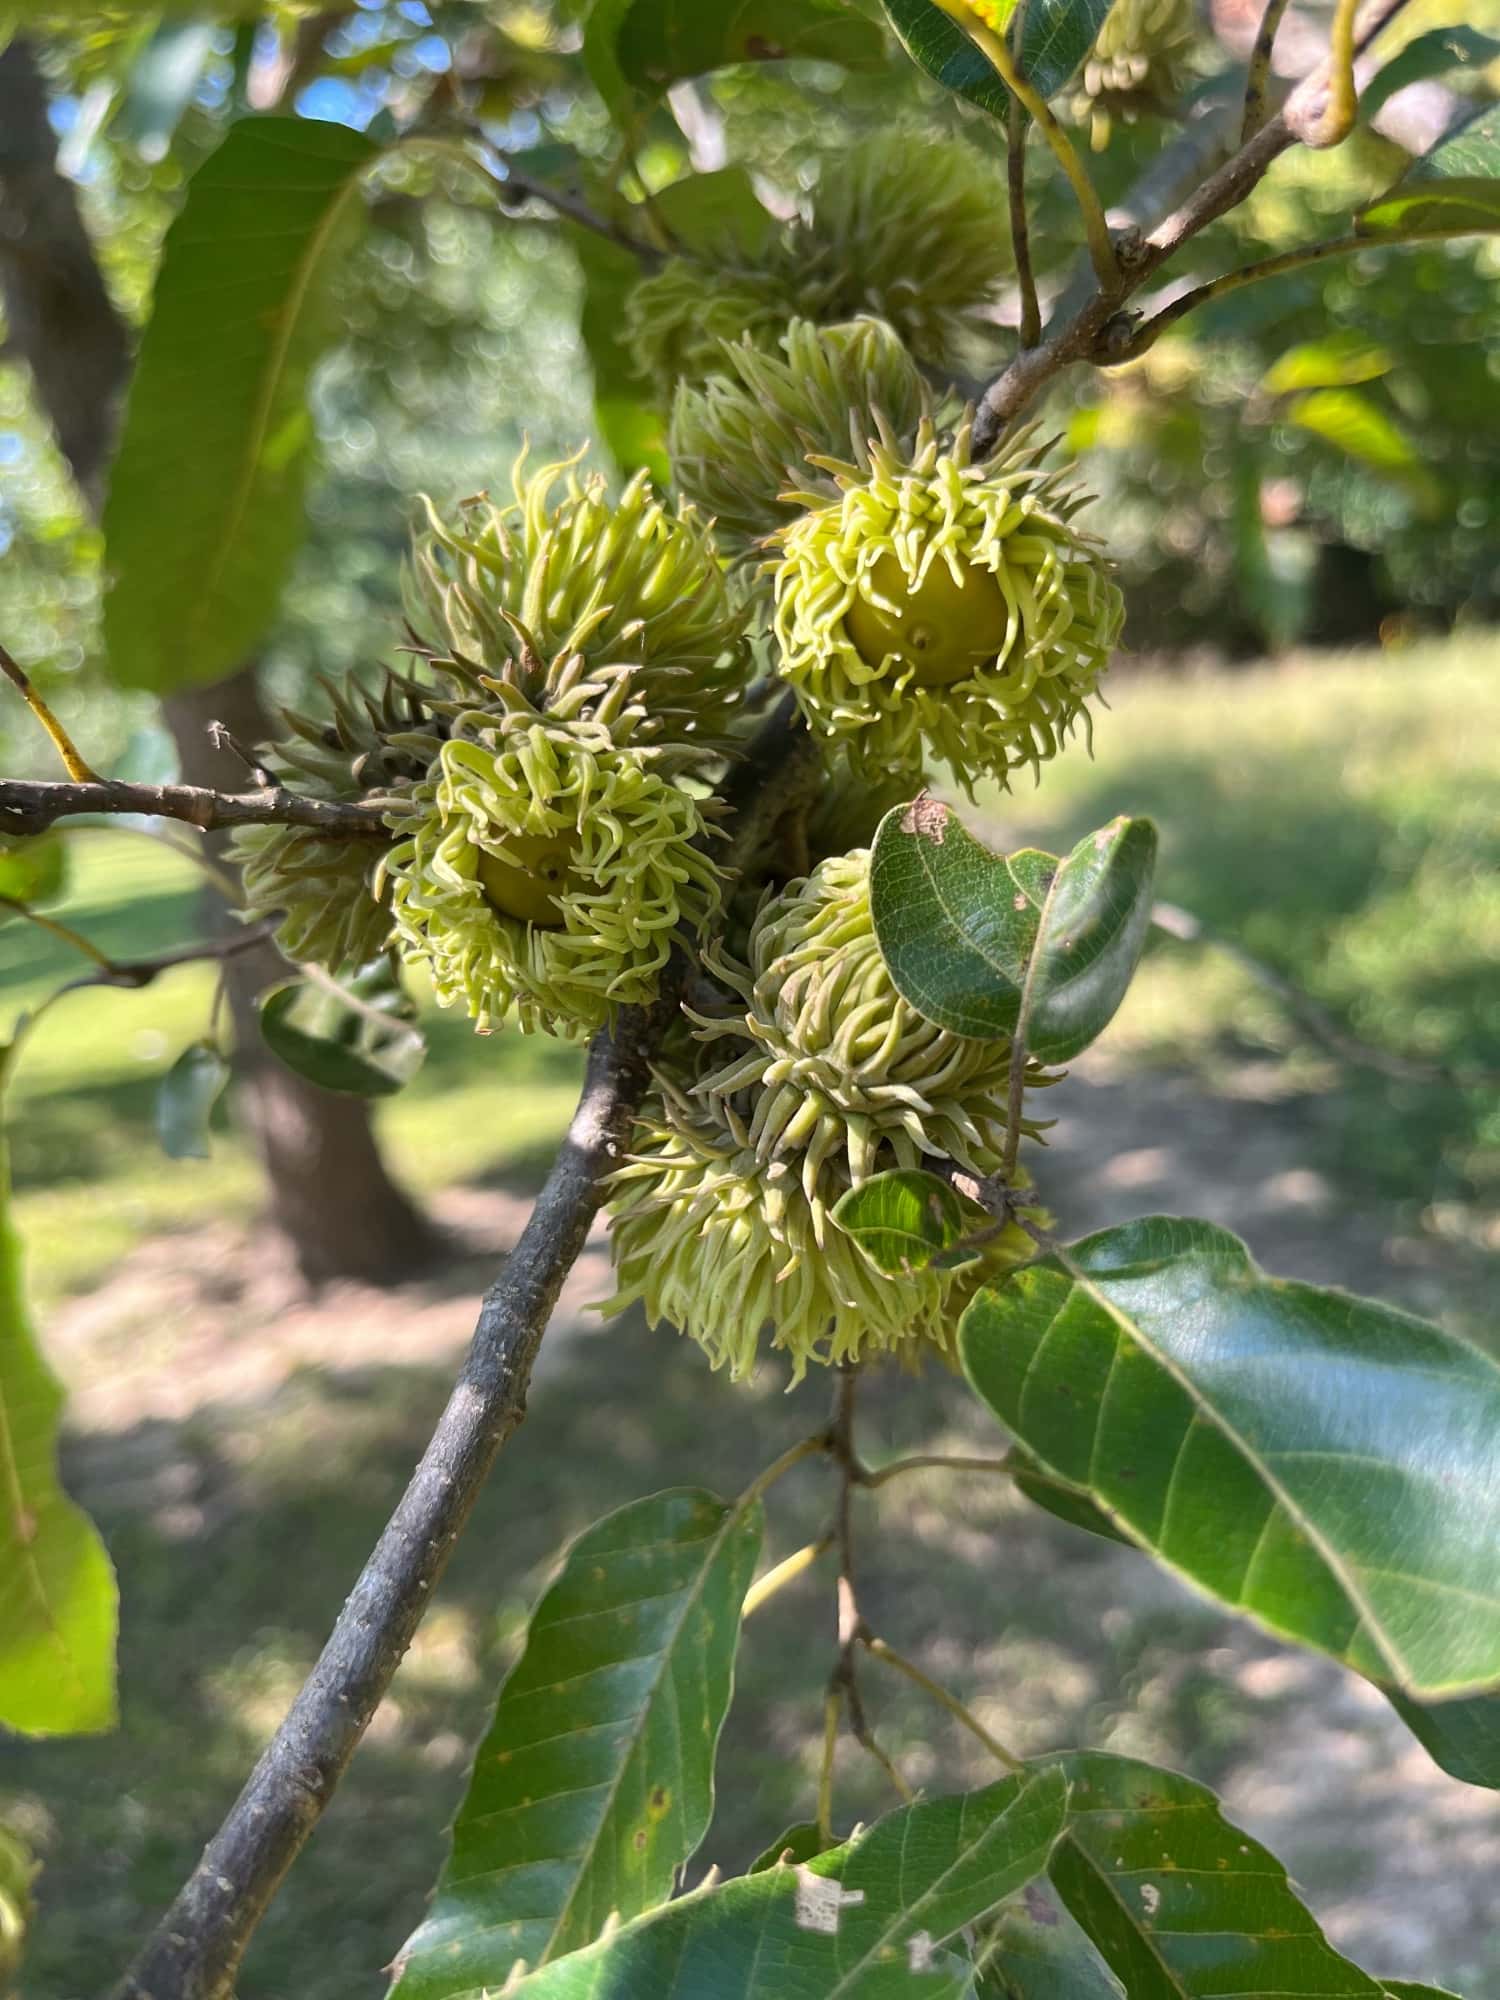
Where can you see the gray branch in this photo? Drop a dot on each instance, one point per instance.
(196, 1950)
(32, 805)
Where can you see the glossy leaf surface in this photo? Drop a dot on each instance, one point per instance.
(185, 1099)
(57, 1587)
(1178, 1901)
(866, 1921)
(595, 1781)
(1325, 1464)
(979, 942)
(936, 43)
(362, 1045)
(1452, 190)
(902, 1219)
(1034, 1950)
(205, 511)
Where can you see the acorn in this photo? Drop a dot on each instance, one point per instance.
(943, 608)
(741, 445)
(619, 604)
(679, 320)
(322, 888)
(723, 1218)
(543, 868)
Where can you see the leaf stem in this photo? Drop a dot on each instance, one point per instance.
(941, 1695)
(74, 763)
(779, 1467)
(63, 931)
(833, 1703)
(784, 1573)
(1150, 331)
(933, 1462)
(1095, 226)
(1342, 109)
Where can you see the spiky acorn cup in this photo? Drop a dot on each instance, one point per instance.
(543, 869)
(743, 440)
(1141, 62)
(625, 597)
(324, 889)
(679, 319)
(722, 1221)
(941, 608)
(912, 230)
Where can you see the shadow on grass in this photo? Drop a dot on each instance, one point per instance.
(1323, 887)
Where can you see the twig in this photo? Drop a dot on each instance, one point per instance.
(833, 1707)
(1189, 928)
(843, 1682)
(76, 766)
(134, 973)
(223, 738)
(32, 805)
(1020, 228)
(1258, 74)
(195, 1952)
(514, 185)
(881, 1651)
(1095, 228)
(1097, 328)
(1151, 330)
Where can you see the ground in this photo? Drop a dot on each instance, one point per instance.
(240, 1444)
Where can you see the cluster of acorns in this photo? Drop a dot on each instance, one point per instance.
(548, 772)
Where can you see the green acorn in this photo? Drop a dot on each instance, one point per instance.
(744, 440)
(911, 229)
(900, 226)
(543, 868)
(723, 1219)
(624, 598)
(1141, 62)
(679, 319)
(943, 608)
(324, 889)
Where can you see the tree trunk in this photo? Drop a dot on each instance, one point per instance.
(330, 1193)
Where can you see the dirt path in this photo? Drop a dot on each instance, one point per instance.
(241, 1444)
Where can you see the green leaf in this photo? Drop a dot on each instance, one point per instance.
(595, 1782)
(1317, 1461)
(17, 1873)
(34, 870)
(185, 1099)
(865, 1921)
(1056, 1497)
(1406, 1989)
(902, 1219)
(936, 43)
(205, 510)
(1338, 361)
(1035, 1951)
(659, 42)
(1056, 35)
(799, 1843)
(1178, 1901)
(57, 1589)
(1463, 1737)
(358, 1042)
(980, 942)
(1454, 190)
(1439, 52)
(1362, 430)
